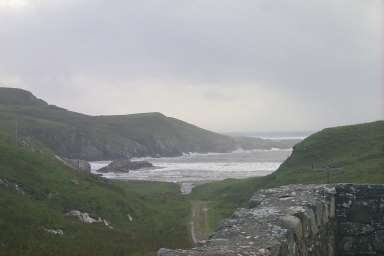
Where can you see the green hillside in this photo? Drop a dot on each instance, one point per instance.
(74, 135)
(342, 154)
(36, 192)
(335, 155)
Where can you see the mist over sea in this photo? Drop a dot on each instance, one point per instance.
(274, 135)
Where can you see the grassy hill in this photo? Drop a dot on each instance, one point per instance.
(74, 135)
(36, 191)
(335, 155)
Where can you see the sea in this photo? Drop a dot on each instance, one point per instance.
(193, 169)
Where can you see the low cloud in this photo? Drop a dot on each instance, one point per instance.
(224, 65)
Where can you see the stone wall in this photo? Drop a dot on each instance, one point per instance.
(289, 220)
(360, 218)
(301, 220)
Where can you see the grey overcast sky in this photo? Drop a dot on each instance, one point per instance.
(225, 65)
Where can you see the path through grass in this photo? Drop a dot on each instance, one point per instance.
(199, 221)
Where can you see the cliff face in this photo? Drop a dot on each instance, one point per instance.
(298, 220)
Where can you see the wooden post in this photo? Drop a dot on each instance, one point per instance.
(17, 132)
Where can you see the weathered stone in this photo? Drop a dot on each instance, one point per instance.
(302, 220)
(256, 200)
(293, 223)
(283, 221)
(58, 232)
(85, 218)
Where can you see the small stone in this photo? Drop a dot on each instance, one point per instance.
(58, 232)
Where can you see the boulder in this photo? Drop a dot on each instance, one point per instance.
(86, 218)
(125, 165)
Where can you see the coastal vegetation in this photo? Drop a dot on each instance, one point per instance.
(47, 208)
(37, 191)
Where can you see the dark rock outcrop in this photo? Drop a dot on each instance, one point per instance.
(125, 165)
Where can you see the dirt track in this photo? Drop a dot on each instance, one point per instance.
(199, 221)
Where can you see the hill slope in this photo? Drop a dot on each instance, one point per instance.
(341, 154)
(75, 135)
(37, 191)
(335, 155)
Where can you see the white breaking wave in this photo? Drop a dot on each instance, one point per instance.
(196, 171)
(181, 172)
(176, 172)
(195, 154)
(220, 166)
(196, 168)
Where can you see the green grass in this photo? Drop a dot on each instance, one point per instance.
(345, 154)
(160, 214)
(224, 197)
(33, 132)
